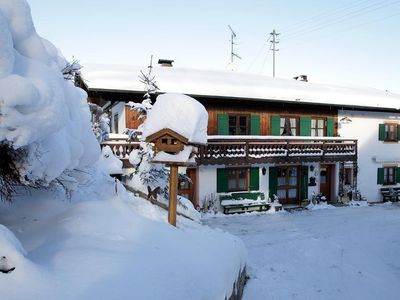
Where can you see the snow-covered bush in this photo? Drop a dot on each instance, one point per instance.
(42, 115)
(211, 204)
(147, 175)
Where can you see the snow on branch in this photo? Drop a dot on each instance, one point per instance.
(71, 70)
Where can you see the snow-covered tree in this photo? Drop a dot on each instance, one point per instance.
(100, 122)
(146, 175)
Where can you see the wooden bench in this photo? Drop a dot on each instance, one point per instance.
(390, 194)
(241, 202)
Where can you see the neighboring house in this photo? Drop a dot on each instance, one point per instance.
(289, 138)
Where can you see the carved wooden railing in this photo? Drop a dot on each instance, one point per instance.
(121, 148)
(268, 149)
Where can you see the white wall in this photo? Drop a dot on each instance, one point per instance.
(120, 110)
(207, 182)
(365, 128)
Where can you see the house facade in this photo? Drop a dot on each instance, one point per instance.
(284, 138)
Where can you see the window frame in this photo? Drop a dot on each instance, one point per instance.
(387, 131)
(237, 125)
(116, 122)
(315, 129)
(237, 178)
(297, 118)
(386, 175)
(348, 174)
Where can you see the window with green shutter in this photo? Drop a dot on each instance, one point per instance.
(222, 180)
(254, 179)
(255, 125)
(330, 126)
(389, 132)
(223, 124)
(275, 125)
(305, 126)
(273, 182)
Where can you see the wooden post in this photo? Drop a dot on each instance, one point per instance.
(173, 192)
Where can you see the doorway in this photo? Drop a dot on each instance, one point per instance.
(288, 185)
(325, 180)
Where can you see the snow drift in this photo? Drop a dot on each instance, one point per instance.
(39, 110)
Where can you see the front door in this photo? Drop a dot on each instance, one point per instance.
(325, 181)
(288, 185)
(188, 189)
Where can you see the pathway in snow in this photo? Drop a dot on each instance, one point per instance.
(343, 253)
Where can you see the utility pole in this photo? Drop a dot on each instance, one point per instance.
(274, 41)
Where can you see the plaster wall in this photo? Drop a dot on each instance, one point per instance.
(372, 153)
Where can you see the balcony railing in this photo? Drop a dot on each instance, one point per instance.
(271, 149)
(242, 150)
(121, 147)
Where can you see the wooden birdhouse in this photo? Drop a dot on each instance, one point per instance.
(168, 141)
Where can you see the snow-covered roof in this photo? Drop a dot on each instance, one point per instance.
(236, 85)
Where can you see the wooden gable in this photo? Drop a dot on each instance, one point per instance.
(167, 140)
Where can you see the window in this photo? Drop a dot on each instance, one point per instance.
(288, 126)
(389, 175)
(348, 176)
(116, 123)
(317, 127)
(390, 132)
(239, 125)
(237, 179)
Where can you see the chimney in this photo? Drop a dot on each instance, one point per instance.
(301, 78)
(165, 62)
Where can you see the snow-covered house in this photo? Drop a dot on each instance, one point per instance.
(289, 138)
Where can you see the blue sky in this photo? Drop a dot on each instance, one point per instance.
(347, 42)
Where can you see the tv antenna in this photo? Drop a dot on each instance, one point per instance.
(233, 40)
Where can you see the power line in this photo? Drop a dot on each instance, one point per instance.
(258, 54)
(348, 29)
(339, 20)
(322, 16)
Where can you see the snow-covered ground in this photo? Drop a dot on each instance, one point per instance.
(343, 253)
(102, 245)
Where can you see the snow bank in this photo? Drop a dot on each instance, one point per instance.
(180, 113)
(40, 111)
(112, 247)
(110, 162)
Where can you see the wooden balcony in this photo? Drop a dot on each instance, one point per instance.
(121, 148)
(230, 150)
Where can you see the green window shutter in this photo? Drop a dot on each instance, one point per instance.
(304, 183)
(398, 175)
(382, 132)
(305, 126)
(380, 176)
(275, 125)
(398, 132)
(254, 179)
(273, 182)
(330, 126)
(223, 124)
(222, 180)
(255, 125)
